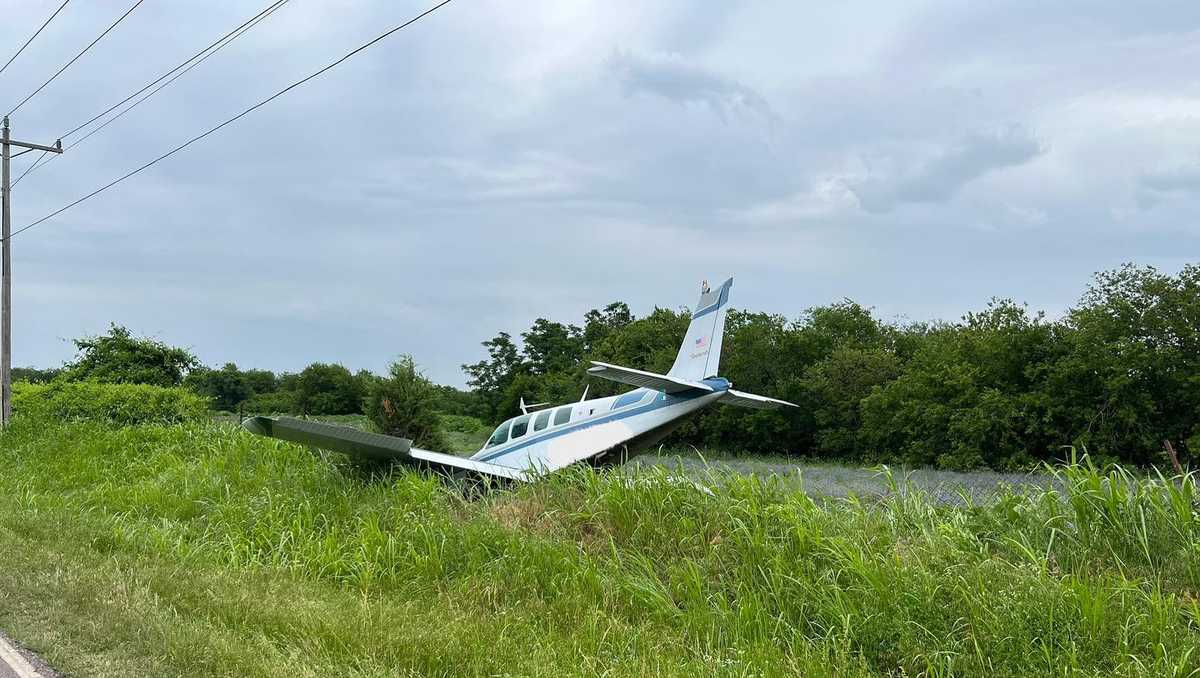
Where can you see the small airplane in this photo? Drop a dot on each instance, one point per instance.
(599, 431)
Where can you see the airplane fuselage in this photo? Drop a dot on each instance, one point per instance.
(599, 430)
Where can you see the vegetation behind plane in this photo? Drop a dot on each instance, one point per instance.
(1002, 387)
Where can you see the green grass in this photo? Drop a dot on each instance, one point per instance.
(198, 549)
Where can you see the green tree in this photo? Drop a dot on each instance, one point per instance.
(34, 375)
(260, 381)
(599, 324)
(973, 395)
(1131, 376)
(226, 388)
(835, 388)
(120, 358)
(552, 347)
(492, 377)
(329, 388)
(403, 404)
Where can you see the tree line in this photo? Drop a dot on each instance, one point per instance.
(1002, 387)
(401, 402)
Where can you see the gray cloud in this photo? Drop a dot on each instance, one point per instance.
(495, 163)
(1159, 185)
(672, 77)
(1182, 178)
(939, 177)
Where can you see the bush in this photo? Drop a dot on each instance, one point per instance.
(402, 404)
(275, 402)
(121, 404)
(121, 358)
(330, 389)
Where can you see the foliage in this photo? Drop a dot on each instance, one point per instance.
(971, 396)
(120, 404)
(272, 402)
(1002, 388)
(296, 564)
(491, 378)
(324, 388)
(403, 404)
(120, 358)
(226, 388)
(1131, 377)
(34, 375)
(452, 400)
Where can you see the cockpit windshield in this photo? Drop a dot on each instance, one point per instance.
(500, 436)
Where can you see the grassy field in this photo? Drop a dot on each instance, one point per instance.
(200, 550)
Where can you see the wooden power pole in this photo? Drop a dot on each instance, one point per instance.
(6, 144)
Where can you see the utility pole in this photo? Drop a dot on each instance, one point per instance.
(6, 261)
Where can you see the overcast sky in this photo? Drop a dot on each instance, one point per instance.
(500, 161)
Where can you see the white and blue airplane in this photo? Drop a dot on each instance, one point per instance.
(599, 431)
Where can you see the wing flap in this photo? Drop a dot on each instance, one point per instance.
(439, 460)
(650, 380)
(755, 402)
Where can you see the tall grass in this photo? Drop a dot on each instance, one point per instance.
(607, 573)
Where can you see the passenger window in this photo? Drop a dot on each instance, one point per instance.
(542, 421)
(562, 416)
(629, 399)
(519, 427)
(499, 437)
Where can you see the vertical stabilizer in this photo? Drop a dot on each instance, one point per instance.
(700, 355)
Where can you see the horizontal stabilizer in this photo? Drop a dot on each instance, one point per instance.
(650, 380)
(364, 444)
(756, 402)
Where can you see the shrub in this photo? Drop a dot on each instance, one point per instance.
(403, 404)
(275, 402)
(330, 389)
(121, 404)
(121, 358)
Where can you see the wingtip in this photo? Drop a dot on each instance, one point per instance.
(258, 425)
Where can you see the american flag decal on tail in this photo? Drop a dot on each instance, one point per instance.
(701, 342)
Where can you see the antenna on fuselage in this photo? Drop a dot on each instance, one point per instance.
(525, 408)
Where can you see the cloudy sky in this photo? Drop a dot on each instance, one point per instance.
(501, 161)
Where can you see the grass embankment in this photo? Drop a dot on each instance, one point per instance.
(198, 549)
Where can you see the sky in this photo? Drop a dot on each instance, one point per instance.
(497, 162)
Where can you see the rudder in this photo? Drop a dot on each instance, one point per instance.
(700, 354)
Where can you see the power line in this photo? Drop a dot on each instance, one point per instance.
(30, 168)
(35, 34)
(237, 117)
(222, 41)
(76, 57)
(187, 65)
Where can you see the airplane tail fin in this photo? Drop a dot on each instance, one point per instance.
(700, 355)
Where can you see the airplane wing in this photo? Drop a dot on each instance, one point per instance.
(365, 444)
(756, 402)
(650, 380)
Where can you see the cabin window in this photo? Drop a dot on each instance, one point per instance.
(542, 420)
(519, 427)
(629, 399)
(499, 437)
(562, 416)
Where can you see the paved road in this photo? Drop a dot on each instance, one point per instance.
(831, 480)
(18, 662)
